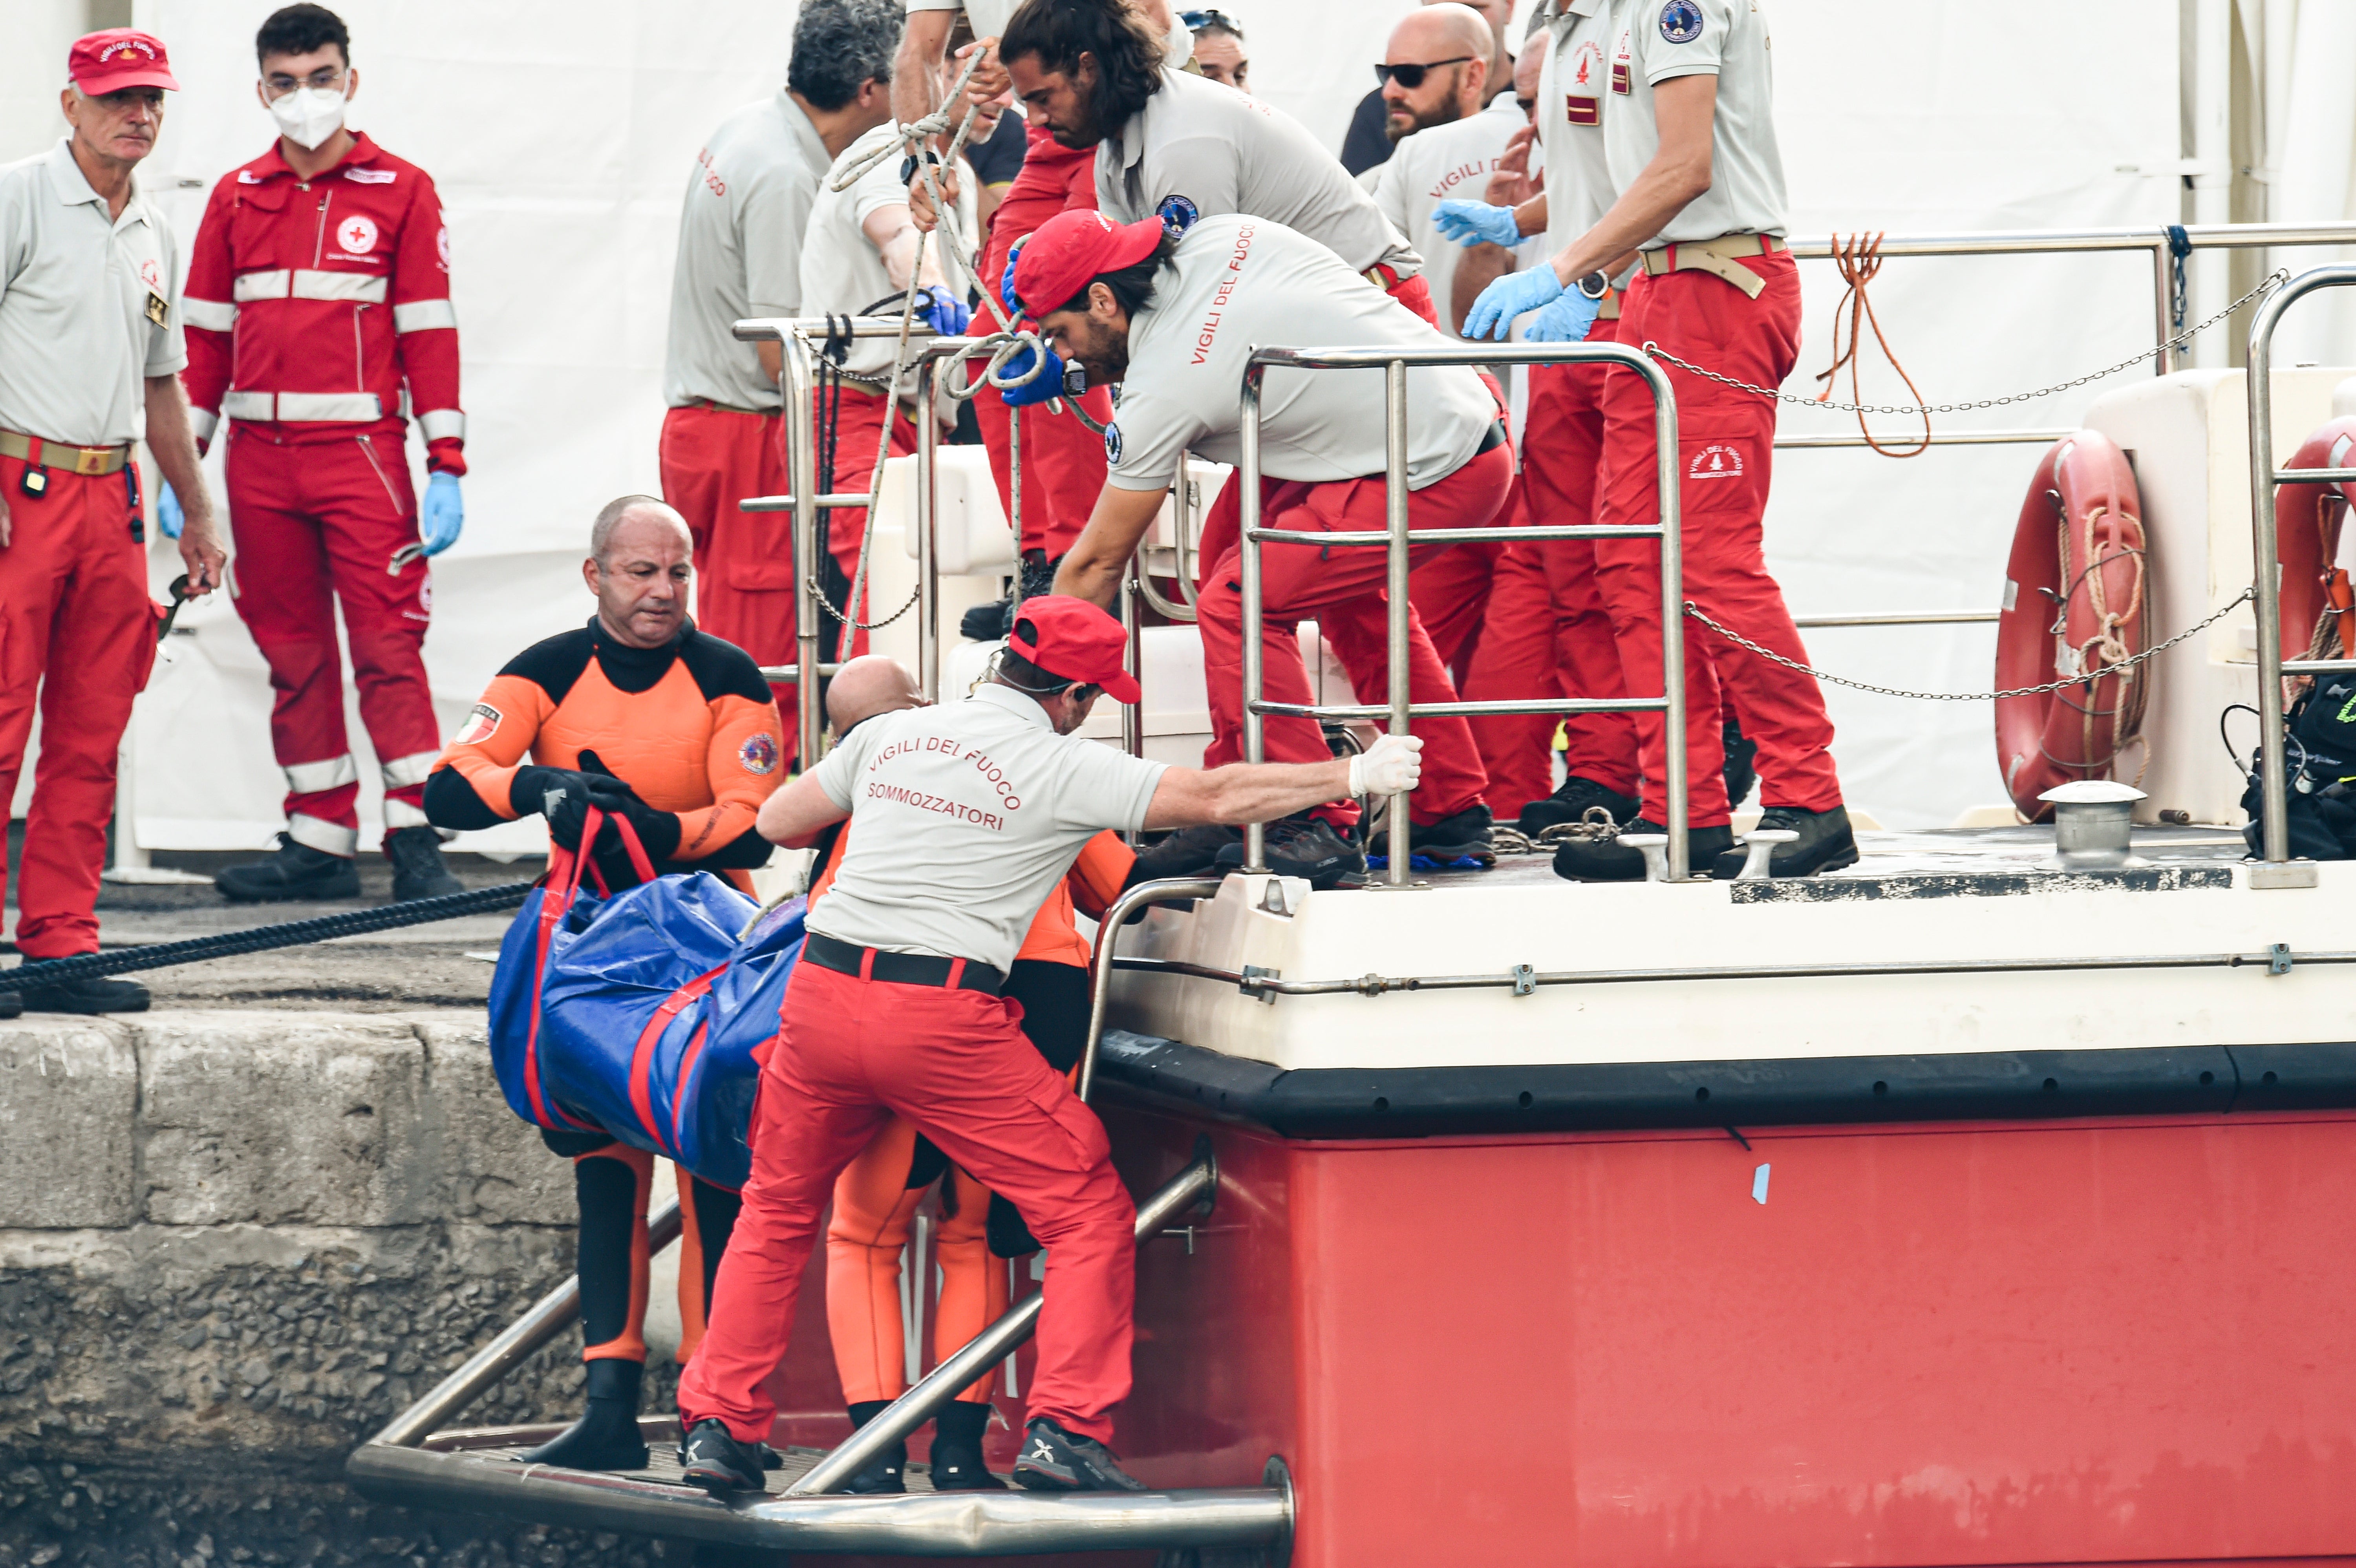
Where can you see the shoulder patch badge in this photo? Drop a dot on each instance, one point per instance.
(1681, 21)
(1112, 444)
(1177, 214)
(480, 725)
(758, 754)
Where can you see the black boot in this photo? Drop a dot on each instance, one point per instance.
(1189, 852)
(888, 1471)
(1463, 836)
(295, 871)
(606, 1438)
(1825, 844)
(988, 623)
(89, 997)
(1305, 845)
(417, 868)
(1609, 860)
(958, 1463)
(1570, 803)
(1740, 772)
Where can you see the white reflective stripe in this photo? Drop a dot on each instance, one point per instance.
(211, 316)
(409, 770)
(310, 778)
(442, 424)
(400, 814)
(325, 836)
(423, 316)
(202, 422)
(248, 406)
(358, 286)
(325, 407)
(260, 286)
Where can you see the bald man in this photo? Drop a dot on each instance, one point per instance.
(1369, 142)
(876, 1197)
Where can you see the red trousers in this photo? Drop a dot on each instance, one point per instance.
(851, 1052)
(316, 525)
(73, 599)
(1343, 590)
(1725, 448)
(711, 460)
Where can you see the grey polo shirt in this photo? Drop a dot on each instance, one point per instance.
(963, 818)
(740, 251)
(89, 305)
(1659, 41)
(1227, 153)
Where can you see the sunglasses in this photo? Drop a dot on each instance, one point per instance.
(1195, 21)
(1411, 76)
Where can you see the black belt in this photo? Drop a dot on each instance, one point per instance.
(903, 968)
(1493, 440)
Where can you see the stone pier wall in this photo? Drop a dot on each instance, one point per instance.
(234, 1244)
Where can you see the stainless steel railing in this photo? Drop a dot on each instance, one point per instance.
(1397, 538)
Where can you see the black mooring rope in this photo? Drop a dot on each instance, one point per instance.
(256, 939)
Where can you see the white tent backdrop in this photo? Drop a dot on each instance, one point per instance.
(562, 139)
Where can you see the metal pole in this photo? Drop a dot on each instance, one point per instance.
(980, 1355)
(2163, 300)
(1015, 482)
(1672, 618)
(1132, 714)
(1401, 611)
(1168, 891)
(801, 426)
(1247, 579)
(547, 1318)
(928, 523)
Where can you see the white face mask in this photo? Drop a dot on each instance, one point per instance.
(309, 115)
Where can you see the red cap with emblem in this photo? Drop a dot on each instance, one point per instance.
(1077, 244)
(1072, 638)
(109, 61)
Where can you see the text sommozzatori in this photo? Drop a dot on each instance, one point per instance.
(1008, 799)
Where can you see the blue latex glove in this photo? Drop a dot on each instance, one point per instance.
(1006, 284)
(1564, 321)
(1493, 314)
(947, 314)
(169, 518)
(1049, 383)
(1477, 222)
(446, 514)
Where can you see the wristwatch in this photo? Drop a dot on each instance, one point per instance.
(1595, 285)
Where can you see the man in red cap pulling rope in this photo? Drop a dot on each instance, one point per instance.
(1173, 320)
(964, 817)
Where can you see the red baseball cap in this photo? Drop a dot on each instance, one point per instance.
(1077, 244)
(109, 61)
(1072, 638)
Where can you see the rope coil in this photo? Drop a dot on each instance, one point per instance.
(1859, 259)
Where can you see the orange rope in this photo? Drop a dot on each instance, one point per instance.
(1859, 258)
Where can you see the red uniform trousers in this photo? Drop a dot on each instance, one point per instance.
(316, 523)
(1343, 590)
(73, 599)
(954, 1062)
(713, 458)
(1551, 617)
(1725, 448)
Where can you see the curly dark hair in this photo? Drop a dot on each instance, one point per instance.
(1127, 53)
(842, 44)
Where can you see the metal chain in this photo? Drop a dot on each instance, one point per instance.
(2087, 680)
(2272, 281)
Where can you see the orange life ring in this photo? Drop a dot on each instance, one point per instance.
(2307, 540)
(2073, 605)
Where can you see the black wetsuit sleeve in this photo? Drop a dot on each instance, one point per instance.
(451, 802)
(748, 851)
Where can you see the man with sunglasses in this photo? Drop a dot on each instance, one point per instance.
(1368, 143)
(1447, 145)
(963, 818)
(1697, 179)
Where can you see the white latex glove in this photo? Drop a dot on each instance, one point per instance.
(1392, 766)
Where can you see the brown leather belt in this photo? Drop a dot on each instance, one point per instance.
(85, 460)
(1715, 256)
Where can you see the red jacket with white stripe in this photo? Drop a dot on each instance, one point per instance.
(310, 302)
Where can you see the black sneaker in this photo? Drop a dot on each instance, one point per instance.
(1741, 773)
(1305, 847)
(1609, 860)
(986, 622)
(606, 1437)
(887, 1472)
(1463, 836)
(1054, 1460)
(714, 1460)
(417, 868)
(295, 871)
(1570, 802)
(1189, 852)
(1825, 844)
(958, 1463)
(89, 997)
